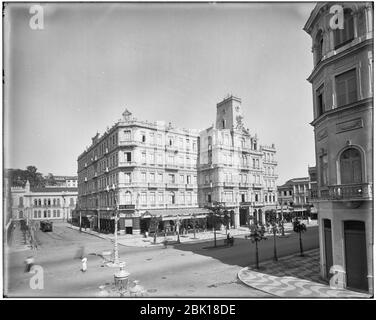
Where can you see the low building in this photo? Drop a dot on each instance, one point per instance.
(52, 203)
(294, 194)
(66, 181)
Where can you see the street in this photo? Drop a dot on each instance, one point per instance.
(184, 270)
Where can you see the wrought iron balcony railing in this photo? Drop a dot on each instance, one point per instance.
(346, 192)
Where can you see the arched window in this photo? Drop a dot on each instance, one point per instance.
(351, 166)
(345, 35)
(319, 45)
(172, 198)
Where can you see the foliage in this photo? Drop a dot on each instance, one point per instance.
(257, 233)
(19, 177)
(298, 226)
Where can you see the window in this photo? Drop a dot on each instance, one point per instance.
(223, 123)
(151, 158)
(172, 198)
(351, 167)
(127, 178)
(159, 139)
(128, 156)
(160, 177)
(319, 47)
(143, 157)
(58, 213)
(171, 178)
(256, 197)
(160, 197)
(189, 197)
(159, 159)
(320, 106)
(152, 198)
(324, 169)
(143, 137)
(152, 177)
(181, 178)
(143, 198)
(182, 198)
(209, 198)
(346, 88)
(143, 176)
(188, 179)
(345, 35)
(127, 135)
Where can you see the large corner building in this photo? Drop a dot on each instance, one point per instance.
(152, 169)
(342, 87)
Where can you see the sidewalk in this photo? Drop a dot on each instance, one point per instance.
(294, 277)
(141, 241)
(18, 241)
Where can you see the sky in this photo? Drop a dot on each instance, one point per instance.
(171, 62)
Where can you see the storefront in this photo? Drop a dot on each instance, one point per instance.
(171, 220)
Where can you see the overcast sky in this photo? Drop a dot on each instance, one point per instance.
(171, 62)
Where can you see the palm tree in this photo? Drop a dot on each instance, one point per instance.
(300, 227)
(257, 235)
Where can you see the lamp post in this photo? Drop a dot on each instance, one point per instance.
(282, 223)
(116, 261)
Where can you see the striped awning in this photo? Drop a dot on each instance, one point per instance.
(174, 214)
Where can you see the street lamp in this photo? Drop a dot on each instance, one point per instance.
(282, 223)
(116, 261)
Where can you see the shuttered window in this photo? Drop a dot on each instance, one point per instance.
(351, 168)
(346, 88)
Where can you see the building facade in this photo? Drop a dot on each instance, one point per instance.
(342, 87)
(294, 195)
(144, 169)
(234, 169)
(66, 181)
(52, 203)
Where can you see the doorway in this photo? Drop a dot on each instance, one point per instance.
(328, 247)
(356, 255)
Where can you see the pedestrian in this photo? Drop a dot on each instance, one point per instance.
(84, 264)
(29, 263)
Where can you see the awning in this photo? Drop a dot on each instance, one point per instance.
(174, 214)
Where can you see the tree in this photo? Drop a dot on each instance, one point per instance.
(154, 224)
(257, 235)
(216, 212)
(50, 180)
(18, 177)
(300, 228)
(273, 220)
(226, 220)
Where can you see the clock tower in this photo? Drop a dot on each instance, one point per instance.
(229, 114)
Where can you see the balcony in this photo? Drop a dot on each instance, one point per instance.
(230, 184)
(257, 185)
(344, 192)
(171, 166)
(245, 185)
(155, 185)
(129, 143)
(127, 164)
(171, 185)
(190, 186)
